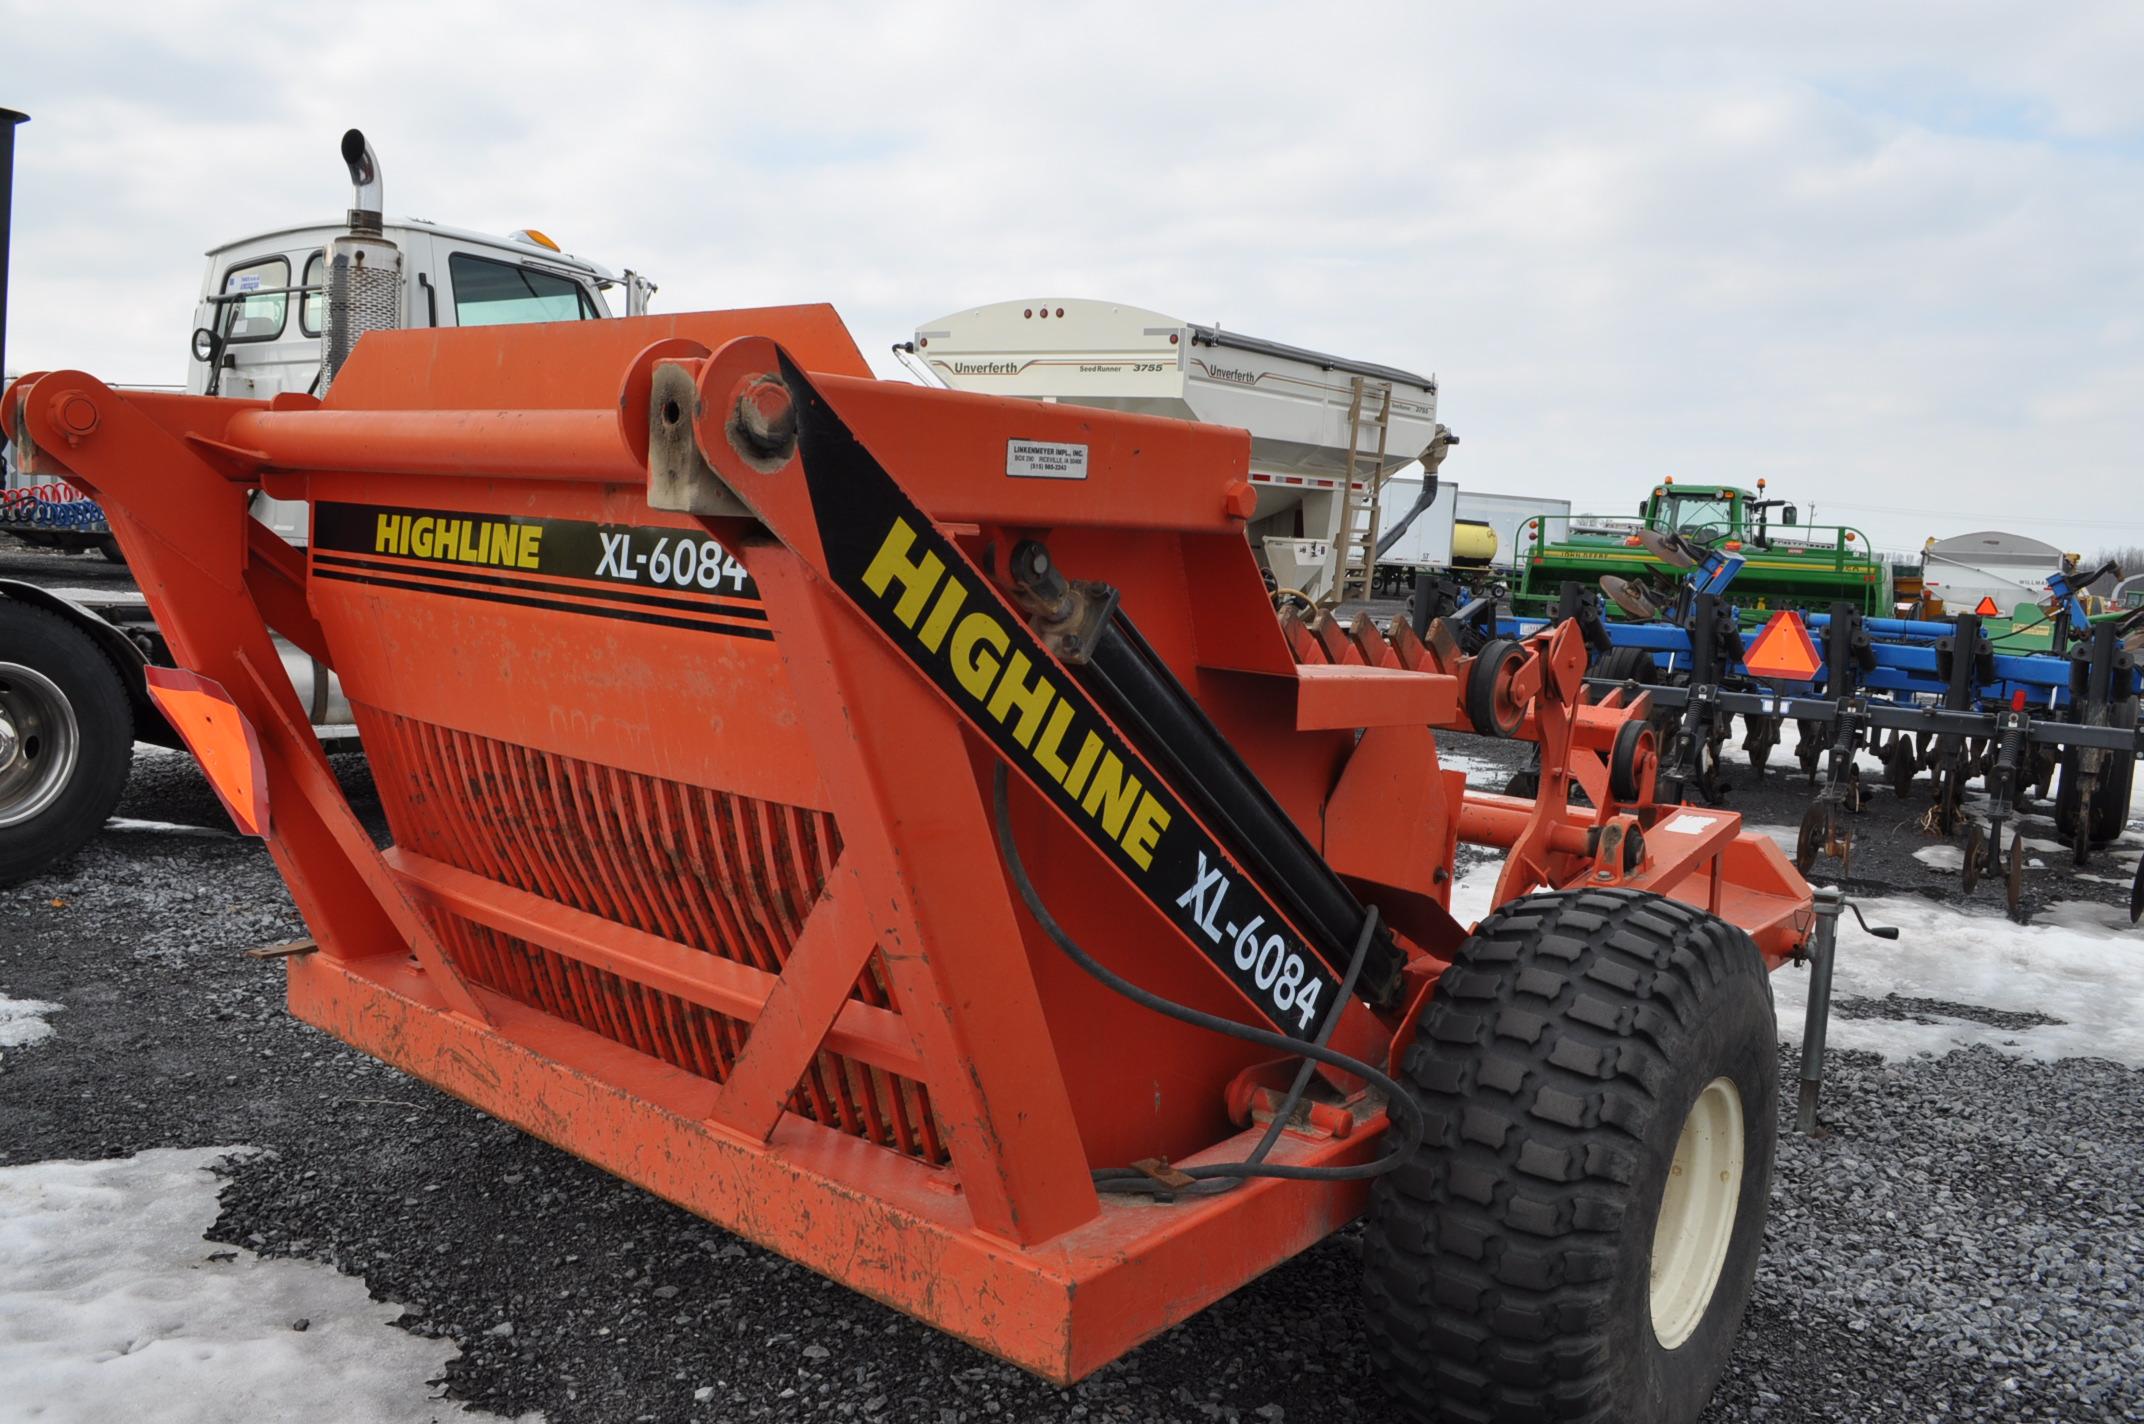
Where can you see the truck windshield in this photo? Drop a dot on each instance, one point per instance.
(490, 293)
(1698, 516)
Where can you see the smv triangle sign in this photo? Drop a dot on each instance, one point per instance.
(1986, 607)
(1783, 650)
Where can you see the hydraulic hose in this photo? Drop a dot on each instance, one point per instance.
(1399, 1104)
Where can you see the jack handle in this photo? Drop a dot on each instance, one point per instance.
(1828, 901)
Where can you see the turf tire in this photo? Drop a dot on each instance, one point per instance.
(1508, 1266)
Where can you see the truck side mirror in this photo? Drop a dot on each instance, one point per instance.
(1790, 515)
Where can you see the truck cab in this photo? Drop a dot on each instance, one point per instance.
(261, 315)
(275, 312)
(261, 319)
(1702, 513)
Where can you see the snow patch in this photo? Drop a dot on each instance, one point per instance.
(127, 823)
(22, 1021)
(112, 1312)
(1481, 773)
(2078, 962)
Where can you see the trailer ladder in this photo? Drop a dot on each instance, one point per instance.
(1355, 550)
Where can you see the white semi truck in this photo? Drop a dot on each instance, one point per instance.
(277, 311)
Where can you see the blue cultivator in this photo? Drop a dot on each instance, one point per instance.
(1919, 695)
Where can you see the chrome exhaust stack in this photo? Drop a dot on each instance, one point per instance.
(364, 166)
(9, 118)
(364, 269)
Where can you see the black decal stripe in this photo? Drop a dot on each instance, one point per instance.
(709, 603)
(596, 610)
(855, 502)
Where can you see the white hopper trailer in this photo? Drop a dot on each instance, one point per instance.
(1297, 404)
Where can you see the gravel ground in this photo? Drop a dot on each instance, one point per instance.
(1966, 1242)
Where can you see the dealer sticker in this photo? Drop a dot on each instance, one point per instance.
(1691, 824)
(1044, 460)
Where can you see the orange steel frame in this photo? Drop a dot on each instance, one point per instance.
(701, 885)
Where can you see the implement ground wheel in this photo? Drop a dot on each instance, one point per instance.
(1577, 1236)
(1624, 665)
(2108, 815)
(1489, 703)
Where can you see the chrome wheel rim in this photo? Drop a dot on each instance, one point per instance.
(40, 743)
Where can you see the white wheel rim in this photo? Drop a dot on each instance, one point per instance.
(1697, 1212)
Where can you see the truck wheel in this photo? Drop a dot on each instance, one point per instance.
(109, 547)
(1577, 1235)
(66, 739)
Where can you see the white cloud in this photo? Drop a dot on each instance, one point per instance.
(1889, 259)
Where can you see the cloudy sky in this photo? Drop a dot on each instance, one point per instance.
(1889, 257)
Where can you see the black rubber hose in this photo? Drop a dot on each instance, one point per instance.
(1398, 1102)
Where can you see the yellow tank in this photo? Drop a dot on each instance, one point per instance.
(1473, 544)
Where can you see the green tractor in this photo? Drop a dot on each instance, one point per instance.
(1788, 564)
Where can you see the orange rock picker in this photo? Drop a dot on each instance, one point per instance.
(892, 824)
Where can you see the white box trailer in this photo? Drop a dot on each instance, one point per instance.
(1297, 404)
(1462, 529)
(1508, 515)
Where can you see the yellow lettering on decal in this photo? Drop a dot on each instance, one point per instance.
(1111, 795)
(1148, 822)
(974, 665)
(531, 537)
(1083, 764)
(1032, 700)
(950, 599)
(1052, 737)
(420, 536)
(383, 542)
(891, 564)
